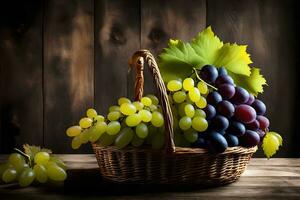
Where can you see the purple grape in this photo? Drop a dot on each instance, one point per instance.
(225, 108)
(244, 113)
(217, 142)
(232, 140)
(261, 133)
(241, 96)
(263, 122)
(210, 111)
(259, 107)
(253, 125)
(200, 143)
(227, 91)
(250, 100)
(236, 128)
(213, 98)
(219, 123)
(222, 71)
(250, 139)
(224, 79)
(209, 73)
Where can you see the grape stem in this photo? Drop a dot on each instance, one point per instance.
(25, 155)
(200, 79)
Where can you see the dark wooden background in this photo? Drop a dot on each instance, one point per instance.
(60, 57)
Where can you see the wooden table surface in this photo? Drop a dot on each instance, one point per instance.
(277, 178)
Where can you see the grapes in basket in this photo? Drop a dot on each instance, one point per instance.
(212, 92)
(35, 164)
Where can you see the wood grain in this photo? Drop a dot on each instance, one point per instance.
(117, 31)
(264, 179)
(267, 28)
(21, 104)
(69, 68)
(162, 20)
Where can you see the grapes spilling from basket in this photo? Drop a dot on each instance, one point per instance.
(209, 111)
(33, 165)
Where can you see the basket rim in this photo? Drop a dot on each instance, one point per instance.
(179, 150)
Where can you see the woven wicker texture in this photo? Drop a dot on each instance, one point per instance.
(173, 165)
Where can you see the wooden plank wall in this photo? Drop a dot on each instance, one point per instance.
(59, 58)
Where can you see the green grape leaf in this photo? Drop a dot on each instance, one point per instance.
(207, 46)
(179, 58)
(253, 83)
(271, 143)
(31, 150)
(234, 58)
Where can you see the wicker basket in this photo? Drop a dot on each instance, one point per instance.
(172, 165)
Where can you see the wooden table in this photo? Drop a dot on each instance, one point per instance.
(278, 178)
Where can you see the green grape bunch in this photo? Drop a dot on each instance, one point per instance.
(126, 124)
(33, 165)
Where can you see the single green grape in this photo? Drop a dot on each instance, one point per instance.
(141, 130)
(146, 101)
(26, 177)
(158, 140)
(181, 109)
(202, 87)
(123, 100)
(85, 135)
(85, 122)
(113, 115)
(9, 175)
(16, 159)
(194, 94)
(4, 167)
(106, 140)
(201, 103)
(200, 113)
(114, 108)
(185, 123)
(137, 141)
(124, 138)
(133, 120)
(154, 99)
(59, 162)
(56, 173)
(91, 113)
(199, 124)
(145, 115)
(157, 119)
(76, 142)
(188, 84)
(128, 108)
(113, 127)
(153, 107)
(99, 118)
(40, 173)
(191, 135)
(152, 130)
(179, 96)
(97, 131)
(138, 105)
(189, 110)
(41, 157)
(174, 85)
(22, 167)
(73, 131)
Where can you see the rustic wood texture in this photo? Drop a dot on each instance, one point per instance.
(21, 104)
(117, 37)
(69, 69)
(267, 28)
(162, 20)
(263, 179)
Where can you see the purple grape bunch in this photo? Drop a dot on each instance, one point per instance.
(236, 117)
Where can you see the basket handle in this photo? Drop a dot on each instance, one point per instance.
(137, 62)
